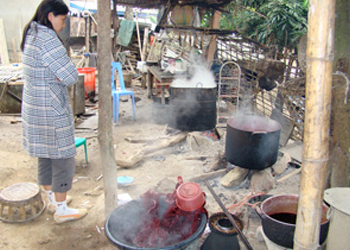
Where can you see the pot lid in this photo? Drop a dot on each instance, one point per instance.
(189, 190)
(338, 198)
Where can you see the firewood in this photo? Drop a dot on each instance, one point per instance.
(129, 160)
(291, 174)
(235, 177)
(209, 175)
(145, 139)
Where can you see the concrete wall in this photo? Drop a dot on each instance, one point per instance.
(16, 14)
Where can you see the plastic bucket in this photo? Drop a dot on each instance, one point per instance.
(339, 227)
(89, 81)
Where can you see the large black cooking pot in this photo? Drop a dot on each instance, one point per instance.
(278, 216)
(252, 141)
(192, 108)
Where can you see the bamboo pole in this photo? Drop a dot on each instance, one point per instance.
(317, 116)
(108, 163)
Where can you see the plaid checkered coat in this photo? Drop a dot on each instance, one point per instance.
(48, 125)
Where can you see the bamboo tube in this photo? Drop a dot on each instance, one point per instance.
(317, 117)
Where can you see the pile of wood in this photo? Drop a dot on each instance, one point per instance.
(215, 165)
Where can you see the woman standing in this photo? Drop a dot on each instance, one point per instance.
(48, 124)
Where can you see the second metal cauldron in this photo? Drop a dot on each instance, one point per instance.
(192, 109)
(278, 215)
(252, 141)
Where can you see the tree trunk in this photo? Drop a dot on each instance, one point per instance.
(317, 123)
(105, 136)
(340, 121)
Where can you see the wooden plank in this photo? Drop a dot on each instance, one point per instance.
(3, 45)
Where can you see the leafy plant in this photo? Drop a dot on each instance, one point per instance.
(278, 22)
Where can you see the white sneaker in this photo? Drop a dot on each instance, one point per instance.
(76, 215)
(51, 208)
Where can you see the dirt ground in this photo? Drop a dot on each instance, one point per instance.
(159, 169)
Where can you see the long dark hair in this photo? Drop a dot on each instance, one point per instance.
(57, 7)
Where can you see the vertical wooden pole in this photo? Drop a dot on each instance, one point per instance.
(215, 24)
(14, 48)
(340, 117)
(87, 37)
(145, 43)
(138, 36)
(3, 45)
(105, 136)
(317, 116)
(115, 25)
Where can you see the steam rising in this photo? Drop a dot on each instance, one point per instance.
(193, 101)
(253, 123)
(202, 77)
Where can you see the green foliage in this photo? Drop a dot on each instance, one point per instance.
(153, 19)
(278, 22)
(206, 19)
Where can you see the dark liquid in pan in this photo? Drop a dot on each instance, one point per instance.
(285, 217)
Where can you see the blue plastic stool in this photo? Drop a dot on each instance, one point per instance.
(81, 141)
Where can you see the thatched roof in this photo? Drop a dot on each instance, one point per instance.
(157, 3)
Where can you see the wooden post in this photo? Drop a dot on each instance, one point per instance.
(145, 42)
(3, 45)
(14, 48)
(87, 37)
(340, 117)
(138, 36)
(215, 24)
(317, 116)
(105, 138)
